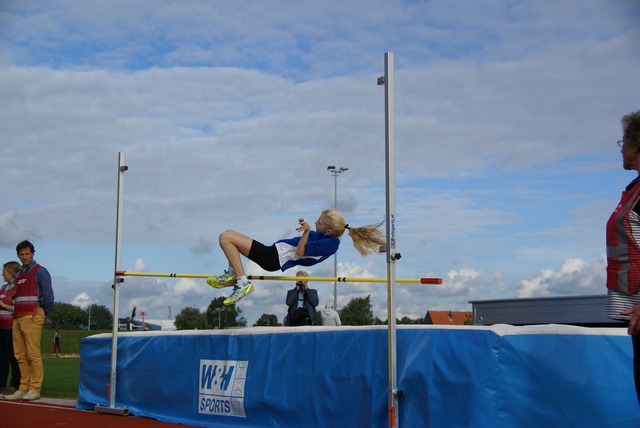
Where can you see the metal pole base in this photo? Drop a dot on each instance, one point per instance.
(111, 410)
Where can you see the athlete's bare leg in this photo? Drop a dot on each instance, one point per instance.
(234, 244)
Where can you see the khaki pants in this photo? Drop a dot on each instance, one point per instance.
(27, 331)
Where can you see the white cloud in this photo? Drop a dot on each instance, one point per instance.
(139, 265)
(82, 300)
(573, 277)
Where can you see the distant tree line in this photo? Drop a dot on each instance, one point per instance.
(65, 316)
(217, 315)
(357, 312)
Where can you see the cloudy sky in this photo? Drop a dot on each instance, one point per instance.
(229, 112)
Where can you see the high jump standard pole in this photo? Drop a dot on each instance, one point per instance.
(388, 81)
(112, 409)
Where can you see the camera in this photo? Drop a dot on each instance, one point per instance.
(299, 283)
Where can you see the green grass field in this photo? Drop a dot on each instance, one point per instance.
(69, 340)
(61, 377)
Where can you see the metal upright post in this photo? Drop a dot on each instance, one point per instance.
(393, 393)
(111, 409)
(335, 255)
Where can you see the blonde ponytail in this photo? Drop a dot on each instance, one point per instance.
(366, 239)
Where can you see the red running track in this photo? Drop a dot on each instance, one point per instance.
(41, 414)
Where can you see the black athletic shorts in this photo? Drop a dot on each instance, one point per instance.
(266, 257)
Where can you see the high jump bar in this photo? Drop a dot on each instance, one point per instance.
(288, 278)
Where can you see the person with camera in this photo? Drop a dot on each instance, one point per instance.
(302, 302)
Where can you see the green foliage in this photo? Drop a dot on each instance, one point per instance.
(267, 320)
(65, 316)
(99, 317)
(468, 321)
(404, 320)
(217, 315)
(407, 320)
(223, 316)
(357, 312)
(191, 318)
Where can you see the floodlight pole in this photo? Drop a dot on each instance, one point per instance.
(117, 280)
(388, 81)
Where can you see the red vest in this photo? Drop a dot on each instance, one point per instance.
(623, 251)
(26, 297)
(6, 316)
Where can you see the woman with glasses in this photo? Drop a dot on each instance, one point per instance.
(623, 244)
